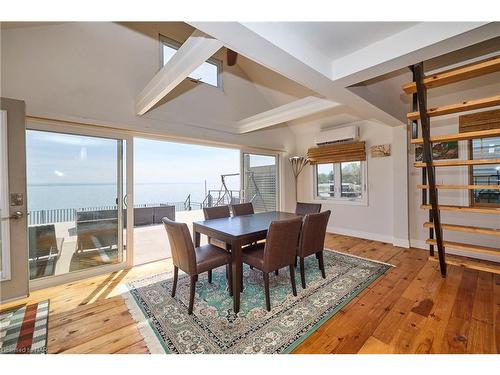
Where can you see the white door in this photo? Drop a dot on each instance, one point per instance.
(13, 223)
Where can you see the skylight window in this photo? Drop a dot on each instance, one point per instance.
(208, 72)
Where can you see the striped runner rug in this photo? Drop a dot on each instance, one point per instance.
(23, 329)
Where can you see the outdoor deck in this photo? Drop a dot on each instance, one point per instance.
(150, 244)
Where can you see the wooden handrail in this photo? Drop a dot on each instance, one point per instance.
(476, 210)
(462, 73)
(467, 247)
(460, 187)
(460, 136)
(478, 265)
(465, 228)
(458, 163)
(468, 105)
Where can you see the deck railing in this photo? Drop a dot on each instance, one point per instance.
(60, 215)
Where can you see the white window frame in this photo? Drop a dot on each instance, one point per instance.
(4, 201)
(176, 45)
(276, 156)
(337, 199)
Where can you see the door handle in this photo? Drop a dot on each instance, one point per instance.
(16, 216)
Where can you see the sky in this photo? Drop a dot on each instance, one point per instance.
(54, 158)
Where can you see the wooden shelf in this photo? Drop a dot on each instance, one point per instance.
(458, 163)
(462, 187)
(460, 136)
(473, 264)
(462, 73)
(477, 210)
(466, 229)
(467, 247)
(458, 107)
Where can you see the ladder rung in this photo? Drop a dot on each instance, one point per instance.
(472, 264)
(458, 107)
(462, 187)
(466, 246)
(460, 136)
(478, 210)
(462, 73)
(458, 163)
(466, 228)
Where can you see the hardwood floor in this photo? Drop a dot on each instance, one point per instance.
(410, 309)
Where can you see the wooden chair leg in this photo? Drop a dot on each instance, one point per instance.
(295, 264)
(191, 293)
(230, 280)
(292, 279)
(241, 279)
(174, 285)
(322, 264)
(277, 272)
(210, 277)
(228, 267)
(302, 273)
(266, 287)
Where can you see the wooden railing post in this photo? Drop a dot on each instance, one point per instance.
(427, 158)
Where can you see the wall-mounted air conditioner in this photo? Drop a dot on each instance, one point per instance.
(344, 134)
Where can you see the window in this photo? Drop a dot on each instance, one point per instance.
(485, 148)
(341, 181)
(208, 72)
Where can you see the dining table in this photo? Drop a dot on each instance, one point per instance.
(236, 232)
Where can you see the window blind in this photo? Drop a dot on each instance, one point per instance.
(337, 153)
(474, 122)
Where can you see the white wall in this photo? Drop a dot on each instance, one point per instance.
(384, 218)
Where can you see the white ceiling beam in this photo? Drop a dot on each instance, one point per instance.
(287, 112)
(195, 51)
(283, 60)
(418, 43)
(328, 78)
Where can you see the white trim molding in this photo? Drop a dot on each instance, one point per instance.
(4, 199)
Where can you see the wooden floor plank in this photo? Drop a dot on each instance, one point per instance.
(410, 309)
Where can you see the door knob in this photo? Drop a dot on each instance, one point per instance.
(15, 215)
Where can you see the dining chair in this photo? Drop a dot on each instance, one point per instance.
(242, 209)
(307, 208)
(217, 212)
(312, 241)
(191, 260)
(277, 252)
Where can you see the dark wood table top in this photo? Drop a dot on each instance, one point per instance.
(239, 226)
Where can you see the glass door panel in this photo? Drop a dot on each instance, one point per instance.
(260, 181)
(75, 202)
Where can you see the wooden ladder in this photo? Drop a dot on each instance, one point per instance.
(420, 112)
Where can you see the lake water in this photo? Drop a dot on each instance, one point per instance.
(44, 197)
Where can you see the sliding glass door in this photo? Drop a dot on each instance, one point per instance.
(260, 181)
(75, 186)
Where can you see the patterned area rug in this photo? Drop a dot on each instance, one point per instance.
(23, 330)
(214, 328)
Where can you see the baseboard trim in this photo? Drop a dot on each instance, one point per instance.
(422, 245)
(370, 236)
(13, 299)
